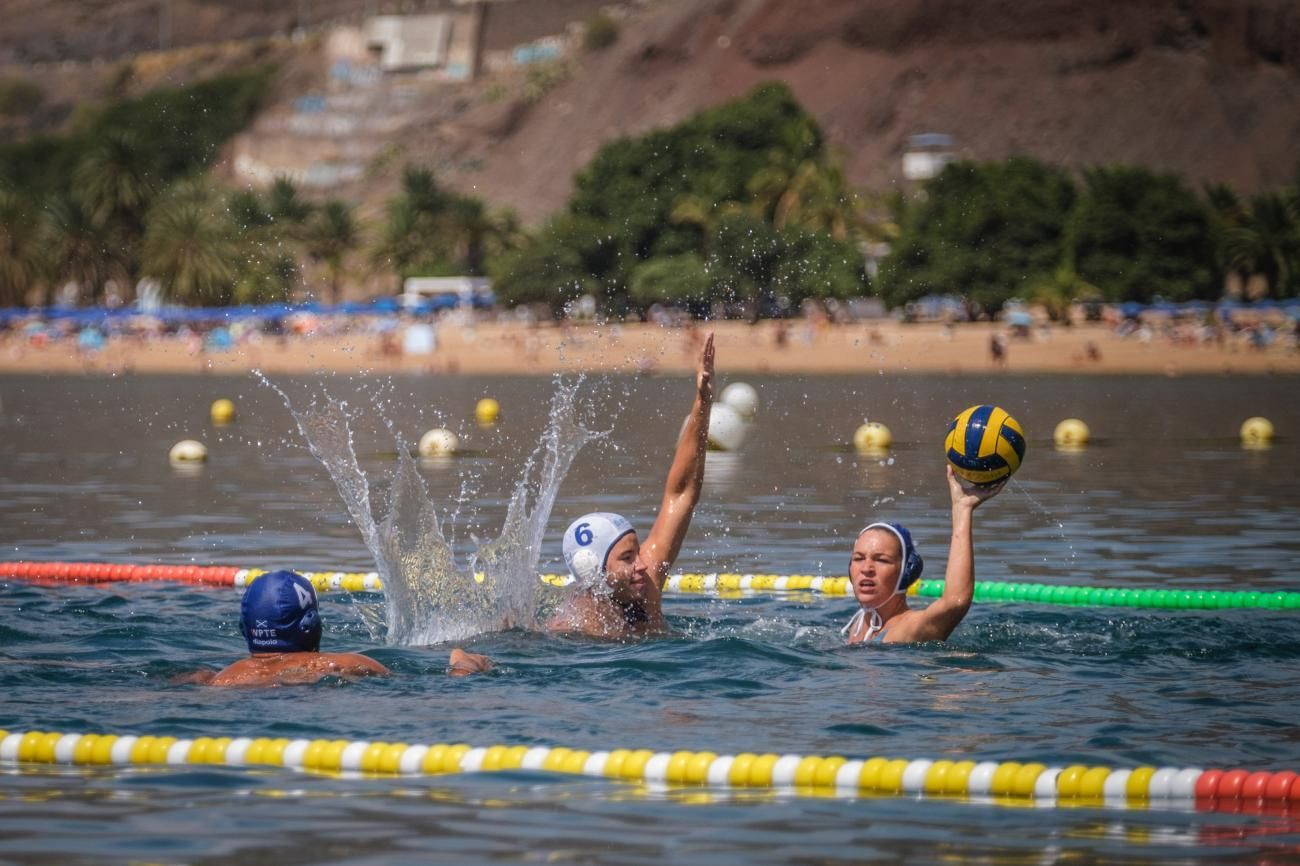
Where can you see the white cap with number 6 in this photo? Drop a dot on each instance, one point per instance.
(588, 541)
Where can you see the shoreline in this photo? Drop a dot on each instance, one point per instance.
(796, 347)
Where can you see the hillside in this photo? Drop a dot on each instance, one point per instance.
(1206, 88)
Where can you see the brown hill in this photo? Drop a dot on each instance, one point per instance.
(1206, 88)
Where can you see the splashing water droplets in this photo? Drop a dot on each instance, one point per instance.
(429, 598)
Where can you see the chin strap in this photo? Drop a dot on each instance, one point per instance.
(876, 625)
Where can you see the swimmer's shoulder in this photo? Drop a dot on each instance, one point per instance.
(296, 669)
(911, 627)
(351, 664)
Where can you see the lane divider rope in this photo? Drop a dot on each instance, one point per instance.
(1006, 781)
(723, 584)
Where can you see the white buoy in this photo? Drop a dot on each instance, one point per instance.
(742, 397)
(726, 428)
(438, 442)
(188, 451)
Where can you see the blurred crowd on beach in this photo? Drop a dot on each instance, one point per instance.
(389, 332)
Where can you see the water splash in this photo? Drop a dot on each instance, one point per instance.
(429, 597)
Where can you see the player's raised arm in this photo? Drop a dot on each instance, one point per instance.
(685, 476)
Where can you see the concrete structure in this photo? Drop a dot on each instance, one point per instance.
(408, 42)
(464, 290)
(926, 155)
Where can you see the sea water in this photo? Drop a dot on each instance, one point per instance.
(1165, 497)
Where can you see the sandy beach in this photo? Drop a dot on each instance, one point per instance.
(766, 347)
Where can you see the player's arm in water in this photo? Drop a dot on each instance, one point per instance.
(685, 477)
(462, 664)
(945, 613)
(288, 669)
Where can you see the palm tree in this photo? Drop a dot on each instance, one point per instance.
(24, 253)
(430, 228)
(116, 178)
(1267, 241)
(116, 182)
(329, 236)
(188, 246)
(81, 246)
(287, 207)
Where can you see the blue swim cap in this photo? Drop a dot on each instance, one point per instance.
(913, 565)
(279, 614)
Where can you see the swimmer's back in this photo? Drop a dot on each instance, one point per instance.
(297, 669)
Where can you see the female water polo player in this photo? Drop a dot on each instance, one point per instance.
(885, 563)
(618, 581)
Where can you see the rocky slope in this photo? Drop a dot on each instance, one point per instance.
(1206, 88)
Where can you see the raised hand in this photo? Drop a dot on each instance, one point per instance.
(968, 495)
(704, 372)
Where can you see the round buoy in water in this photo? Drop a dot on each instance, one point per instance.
(487, 411)
(1257, 432)
(438, 442)
(188, 451)
(742, 397)
(726, 428)
(872, 436)
(223, 411)
(1071, 433)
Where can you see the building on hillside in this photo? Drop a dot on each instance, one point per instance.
(926, 155)
(449, 42)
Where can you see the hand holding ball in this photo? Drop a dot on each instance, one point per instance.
(985, 445)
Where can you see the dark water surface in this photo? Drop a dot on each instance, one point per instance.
(1165, 497)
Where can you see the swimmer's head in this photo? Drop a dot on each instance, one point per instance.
(588, 542)
(279, 614)
(911, 564)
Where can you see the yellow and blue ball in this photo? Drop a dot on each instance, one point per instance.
(985, 445)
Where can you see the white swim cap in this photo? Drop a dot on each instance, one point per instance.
(588, 541)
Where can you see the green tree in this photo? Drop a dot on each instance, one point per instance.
(633, 186)
(24, 249)
(681, 279)
(744, 254)
(266, 261)
(1137, 234)
(432, 231)
(18, 96)
(330, 235)
(189, 246)
(82, 248)
(1266, 241)
(116, 183)
(600, 33)
(814, 264)
(985, 231)
(560, 263)
(286, 206)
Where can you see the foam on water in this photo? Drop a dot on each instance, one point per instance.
(429, 597)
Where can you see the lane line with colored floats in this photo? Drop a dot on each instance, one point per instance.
(1006, 781)
(723, 584)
